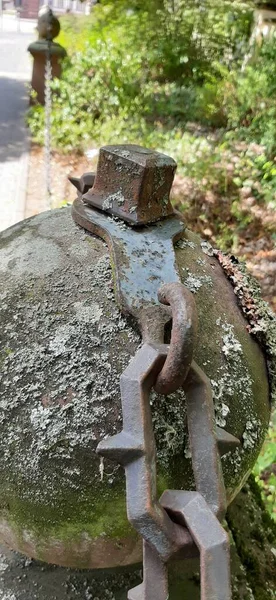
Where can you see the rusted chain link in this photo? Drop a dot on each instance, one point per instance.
(183, 336)
(192, 511)
(134, 448)
(194, 524)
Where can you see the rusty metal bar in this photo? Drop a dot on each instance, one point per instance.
(192, 511)
(155, 577)
(134, 448)
(203, 443)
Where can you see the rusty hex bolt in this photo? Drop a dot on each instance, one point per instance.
(133, 183)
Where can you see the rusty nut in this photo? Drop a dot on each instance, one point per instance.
(133, 183)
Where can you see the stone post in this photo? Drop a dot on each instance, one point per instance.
(48, 28)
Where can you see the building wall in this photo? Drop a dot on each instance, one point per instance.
(265, 24)
(74, 6)
(29, 9)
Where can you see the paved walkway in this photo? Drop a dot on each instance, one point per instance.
(15, 73)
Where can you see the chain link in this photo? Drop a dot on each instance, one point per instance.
(47, 128)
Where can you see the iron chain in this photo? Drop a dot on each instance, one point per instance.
(47, 128)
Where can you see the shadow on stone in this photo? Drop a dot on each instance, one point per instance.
(13, 131)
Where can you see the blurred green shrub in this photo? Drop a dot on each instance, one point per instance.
(142, 72)
(250, 98)
(265, 469)
(135, 67)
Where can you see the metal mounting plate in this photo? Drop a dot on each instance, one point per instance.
(142, 258)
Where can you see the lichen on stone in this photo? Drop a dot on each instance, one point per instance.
(116, 198)
(185, 244)
(195, 282)
(206, 247)
(122, 225)
(169, 419)
(260, 317)
(251, 433)
(231, 346)
(233, 378)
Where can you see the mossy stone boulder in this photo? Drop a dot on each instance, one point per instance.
(64, 345)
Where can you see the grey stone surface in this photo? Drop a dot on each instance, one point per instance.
(24, 579)
(15, 72)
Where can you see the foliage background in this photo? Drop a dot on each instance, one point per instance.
(182, 77)
(144, 72)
